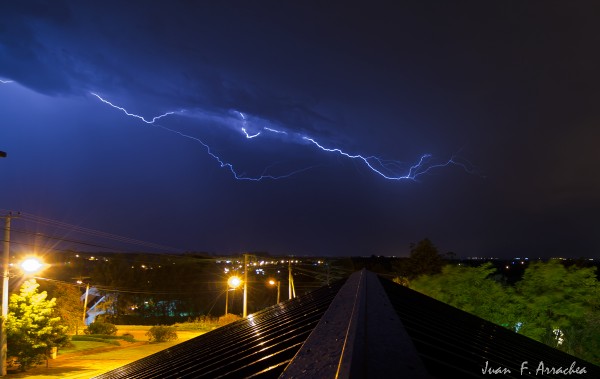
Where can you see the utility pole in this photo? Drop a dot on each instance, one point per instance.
(87, 290)
(245, 313)
(226, 299)
(5, 273)
(291, 289)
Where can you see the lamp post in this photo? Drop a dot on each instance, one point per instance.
(87, 291)
(232, 283)
(278, 282)
(5, 263)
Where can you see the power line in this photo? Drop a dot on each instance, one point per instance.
(37, 234)
(92, 232)
(127, 290)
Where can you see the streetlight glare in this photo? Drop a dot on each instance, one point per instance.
(31, 265)
(234, 282)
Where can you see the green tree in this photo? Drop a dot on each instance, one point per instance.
(32, 326)
(560, 307)
(473, 290)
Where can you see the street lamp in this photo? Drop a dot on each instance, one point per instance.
(31, 265)
(278, 282)
(233, 282)
(87, 291)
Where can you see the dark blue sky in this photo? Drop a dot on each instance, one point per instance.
(506, 92)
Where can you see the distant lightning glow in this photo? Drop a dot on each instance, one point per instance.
(383, 168)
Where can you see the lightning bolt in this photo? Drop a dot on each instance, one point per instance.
(6, 81)
(221, 162)
(275, 131)
(229, 166)
(152, 121)
(250, 136)
(414, 171)
(384, 168)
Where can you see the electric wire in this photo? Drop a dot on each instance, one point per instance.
(92, 232)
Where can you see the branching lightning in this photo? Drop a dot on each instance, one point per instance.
(152, 121)
(229, 166)
(384, 168)
(222, 163)
(250, 136)
(418, 169)
(275, 131)
(6, 81)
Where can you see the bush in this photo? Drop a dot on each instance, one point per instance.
(162, 333)
(228, 319)
(96, 339)
(101, 328)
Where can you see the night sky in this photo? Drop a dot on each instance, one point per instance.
(502, 98)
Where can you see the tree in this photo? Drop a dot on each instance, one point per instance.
(424, 259)
(553, 304)
(560, 307)
(68, 304)
(32, 326)
(473, 290)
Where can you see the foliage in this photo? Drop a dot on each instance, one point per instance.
(228, 319)
(552, 303)
(32, 326)
(95, 339)
(101, 328)
(473, 290)
(566, 299)
(155, 273)
(162, 333)
(402, 280)
(204, 323)
(68, 304)
(128, 337)
(104, 338)
(424, 259)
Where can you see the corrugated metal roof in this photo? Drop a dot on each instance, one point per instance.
(260, 345)
(365, 327)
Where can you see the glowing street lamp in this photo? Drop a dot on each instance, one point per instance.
(233, 282)
(31, 265)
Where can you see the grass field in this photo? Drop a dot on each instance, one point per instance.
(90, 358)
